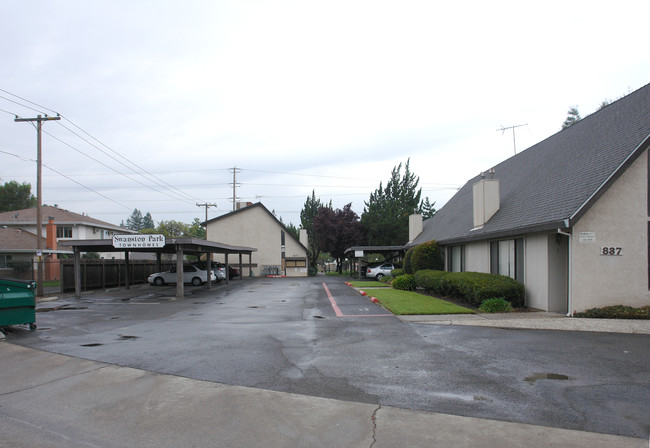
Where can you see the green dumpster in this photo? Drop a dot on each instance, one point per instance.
(17, 302)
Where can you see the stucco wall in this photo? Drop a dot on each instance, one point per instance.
(619, 219)
(254, 227)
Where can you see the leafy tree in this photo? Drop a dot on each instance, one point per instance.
(573, 116)
(386, 214)
(195, 230)
(147, 222)
(307, 215)
(336, 230)
(15, 196)
(172, 229)
(135, 221)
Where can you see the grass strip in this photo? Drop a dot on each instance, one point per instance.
(373, 284)
(407, 302)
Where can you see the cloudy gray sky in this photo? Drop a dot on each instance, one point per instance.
(161, 99)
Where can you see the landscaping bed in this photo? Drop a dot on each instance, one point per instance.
(409, 303)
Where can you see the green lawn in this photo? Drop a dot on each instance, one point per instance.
(371, 284)
(407, 302)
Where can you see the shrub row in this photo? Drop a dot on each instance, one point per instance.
(475, 287)
(616, 312)
(423, 256)
(405, 282)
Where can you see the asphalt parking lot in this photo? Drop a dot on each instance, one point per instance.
(286, 335)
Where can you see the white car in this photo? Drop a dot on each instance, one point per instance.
(380, 270)
(191, 274)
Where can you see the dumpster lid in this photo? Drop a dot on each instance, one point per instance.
(15, 281)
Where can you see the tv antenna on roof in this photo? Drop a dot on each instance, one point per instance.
(504, 129)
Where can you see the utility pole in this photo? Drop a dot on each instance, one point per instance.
(206, 205)
(39, 198)
(504, 129)
(235, 170)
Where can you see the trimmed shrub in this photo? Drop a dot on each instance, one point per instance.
(475, 287)
(430, 280)
(496, 305)
(427, 256)
(408, 268)
(396, 272)
(616, 312)
(404, 282)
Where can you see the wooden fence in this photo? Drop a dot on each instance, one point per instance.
(99, 274)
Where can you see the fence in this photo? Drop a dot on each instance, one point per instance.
(99, 274)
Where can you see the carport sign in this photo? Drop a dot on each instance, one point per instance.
(138, 241)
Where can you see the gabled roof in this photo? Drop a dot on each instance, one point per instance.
(28, 217)
(554, 182)
(252, 207)
(13, 240)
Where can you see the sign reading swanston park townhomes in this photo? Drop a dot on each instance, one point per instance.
(138, 241)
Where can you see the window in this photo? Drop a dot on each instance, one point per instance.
(5, 260)
(507, 258)
(456, 258)
(296, 263)
(64, 232)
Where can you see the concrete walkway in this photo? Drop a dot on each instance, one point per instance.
(536, 321)
(52, 400)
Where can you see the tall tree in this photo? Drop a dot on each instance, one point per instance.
(15, 196)
(134, 222)
(386, 214)
(573, 116)
(307, 215)
(337, 230)
(147, 222)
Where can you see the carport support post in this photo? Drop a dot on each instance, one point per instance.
(77, 273)
(241, 268)
(227, 271)
(180, 291)
(250, 264)
(208, 258)
(126, 267)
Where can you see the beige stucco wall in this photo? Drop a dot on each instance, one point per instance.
(618, 219)
(254, 227)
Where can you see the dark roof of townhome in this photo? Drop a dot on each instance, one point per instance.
(61, 216)
(17, 240)
(251, 207)
(554, 182)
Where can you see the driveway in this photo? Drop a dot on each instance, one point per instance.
(291, 335)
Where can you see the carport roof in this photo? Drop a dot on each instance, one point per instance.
(375, 249)
(188, 245)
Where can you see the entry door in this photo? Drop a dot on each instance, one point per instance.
(558, 273)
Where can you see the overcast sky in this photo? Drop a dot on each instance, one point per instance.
(161, 99)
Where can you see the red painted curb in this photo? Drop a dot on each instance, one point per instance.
(363, 293)
(374, 300)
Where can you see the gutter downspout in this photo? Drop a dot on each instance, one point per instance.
(570, 273)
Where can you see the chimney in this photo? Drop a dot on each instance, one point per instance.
(50, 232)
(415, 226)
(241, 205)
(304, 239)
(486, 200)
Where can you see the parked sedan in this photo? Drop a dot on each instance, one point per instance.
(380, 270)
(219, 269)
(191, 274)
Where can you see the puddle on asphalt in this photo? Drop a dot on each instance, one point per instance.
(545, 376)
(256, 306)
(116, 317)
(60, 308)
(319, 317)
(94, 344)
(278, 300)
(126, 337)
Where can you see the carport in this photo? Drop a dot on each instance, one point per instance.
(178, 246)
(356, 253)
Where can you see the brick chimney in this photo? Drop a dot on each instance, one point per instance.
(52, 269)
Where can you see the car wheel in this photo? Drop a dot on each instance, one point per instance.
(379, 276)
(158, 281)
(196, 281)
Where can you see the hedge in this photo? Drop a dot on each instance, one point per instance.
(404, 282)
(397, 272)
(408, 269)
(475, 287)
(427, 256)
(429, 279)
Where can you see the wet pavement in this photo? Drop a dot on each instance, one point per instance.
(285, 335)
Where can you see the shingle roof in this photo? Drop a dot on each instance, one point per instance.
(20, 240)
(554, 180)
(61, 216)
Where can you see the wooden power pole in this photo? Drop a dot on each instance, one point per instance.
(39, 198)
